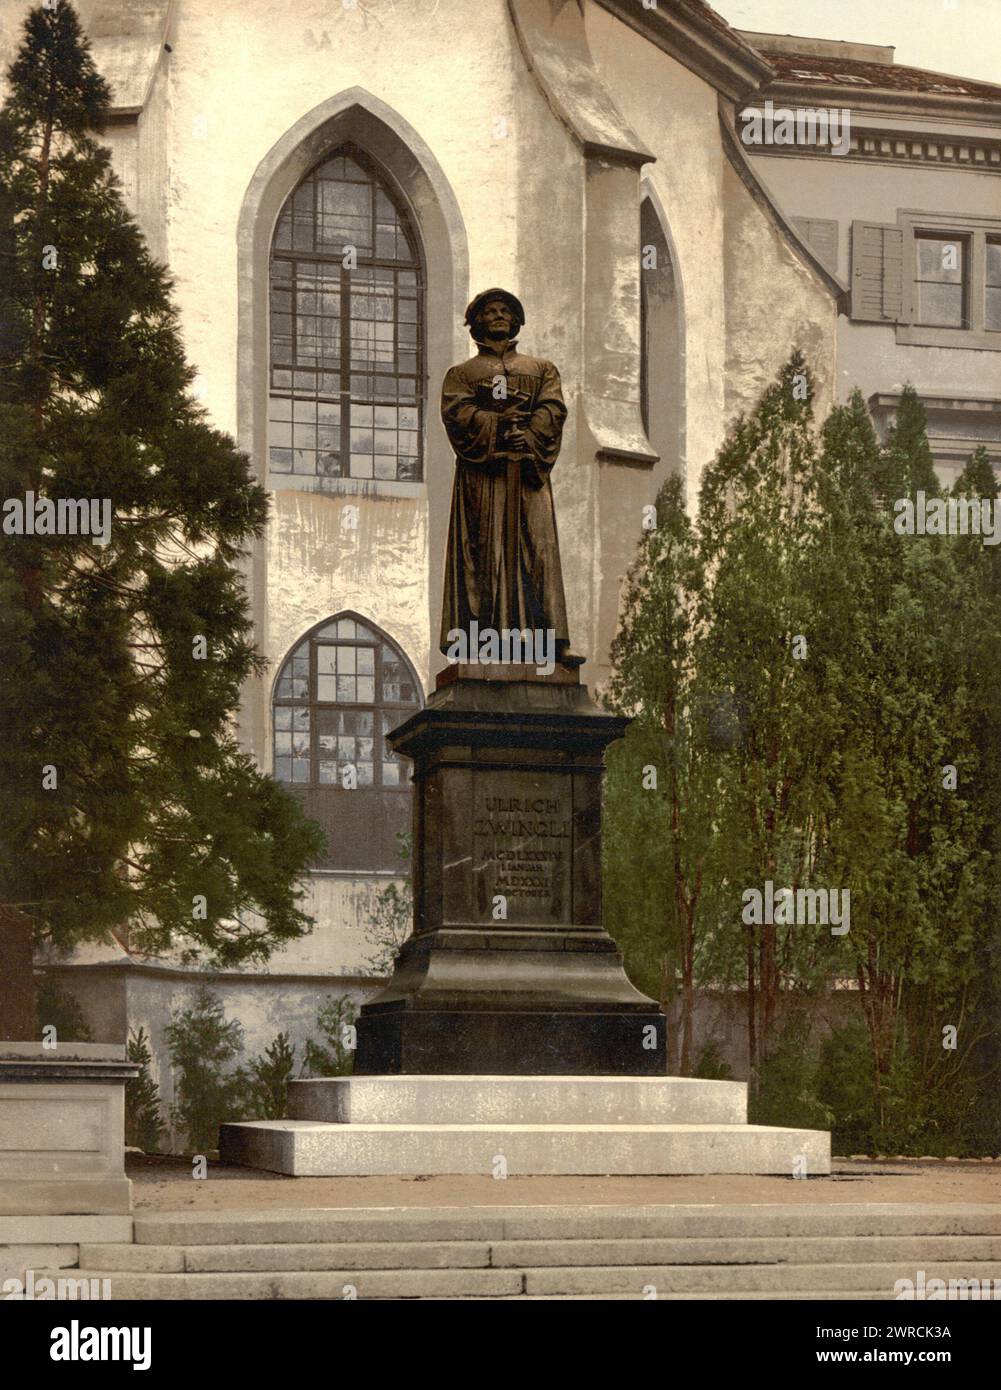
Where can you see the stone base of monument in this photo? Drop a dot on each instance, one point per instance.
(509, 1040)
(520, 1126)
(62, 1129)
(509, 970)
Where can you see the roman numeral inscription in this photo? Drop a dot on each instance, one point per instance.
(522, 849)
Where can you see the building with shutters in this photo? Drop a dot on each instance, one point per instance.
(910, 219)
(329, 185)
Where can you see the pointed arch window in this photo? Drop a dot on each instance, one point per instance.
(347, 330)
(661, 342)
(338, 694)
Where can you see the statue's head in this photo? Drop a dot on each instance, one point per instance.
(494, 315)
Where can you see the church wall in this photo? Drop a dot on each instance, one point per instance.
(748, 296)
(675, 115)
(767, 315)
(503, 195)
(237, 82)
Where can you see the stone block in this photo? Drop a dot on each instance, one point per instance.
(411, 1099)
(301, 1148)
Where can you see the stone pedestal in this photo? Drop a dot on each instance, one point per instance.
(509, 970)
(62, 1129)
(509, 1040)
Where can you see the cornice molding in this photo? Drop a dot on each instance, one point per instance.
(871, 145)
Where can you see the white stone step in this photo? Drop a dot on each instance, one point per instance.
(320, 1284)
(518, 1100)
(58, 1230)
(821, 1295)
(756, 1250)
(495, 1223)
(303, 1148)
(527, 1254)
(708, 1281)
(776, 1278)
(213, 1259)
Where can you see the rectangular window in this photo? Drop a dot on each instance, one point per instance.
(951, 273)
(941, 284)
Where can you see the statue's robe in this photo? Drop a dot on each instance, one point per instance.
(478, 584)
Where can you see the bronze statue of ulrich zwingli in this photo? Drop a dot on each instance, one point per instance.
(504, 415)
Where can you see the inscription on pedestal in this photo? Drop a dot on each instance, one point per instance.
(523, 848)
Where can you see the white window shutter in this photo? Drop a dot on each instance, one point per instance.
(877, 272)
(821, 235)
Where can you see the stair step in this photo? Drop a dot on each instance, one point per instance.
(329, 1225)
(707, 1279)
(586, 1100)
(538, 1254)
(755, 1250)
(304, 1148)
(296, 1284)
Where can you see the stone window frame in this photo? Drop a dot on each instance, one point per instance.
(975, 230)
(357, 116)
(353, 117)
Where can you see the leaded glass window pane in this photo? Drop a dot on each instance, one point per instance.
(336, 697)
(346, 327)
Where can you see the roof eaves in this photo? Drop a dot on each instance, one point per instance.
(702, 41)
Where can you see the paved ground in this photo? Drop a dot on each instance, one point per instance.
(166, 1184)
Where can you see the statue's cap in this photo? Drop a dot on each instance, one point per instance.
(512, 302)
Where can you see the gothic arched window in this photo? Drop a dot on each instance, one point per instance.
(337, 696)
(347, 315)
(661, 345)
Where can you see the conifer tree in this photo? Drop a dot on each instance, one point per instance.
(661, 778)
(903, 829)
(127, 804)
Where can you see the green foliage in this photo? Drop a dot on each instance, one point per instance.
(802, 677)
(203, 1045)
(267, 1080)
(155, 803)
(333, 1056)
(143, 1122)
(59, 1010)
(711, 1064)
(393, 918)
(787, 1089)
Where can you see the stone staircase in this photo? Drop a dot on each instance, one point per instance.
(801, 1251)
(430, 1124)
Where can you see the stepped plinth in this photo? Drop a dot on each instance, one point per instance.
(537, 1126)
(509, 1033)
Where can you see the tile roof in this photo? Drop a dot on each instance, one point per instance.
(808, 69)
